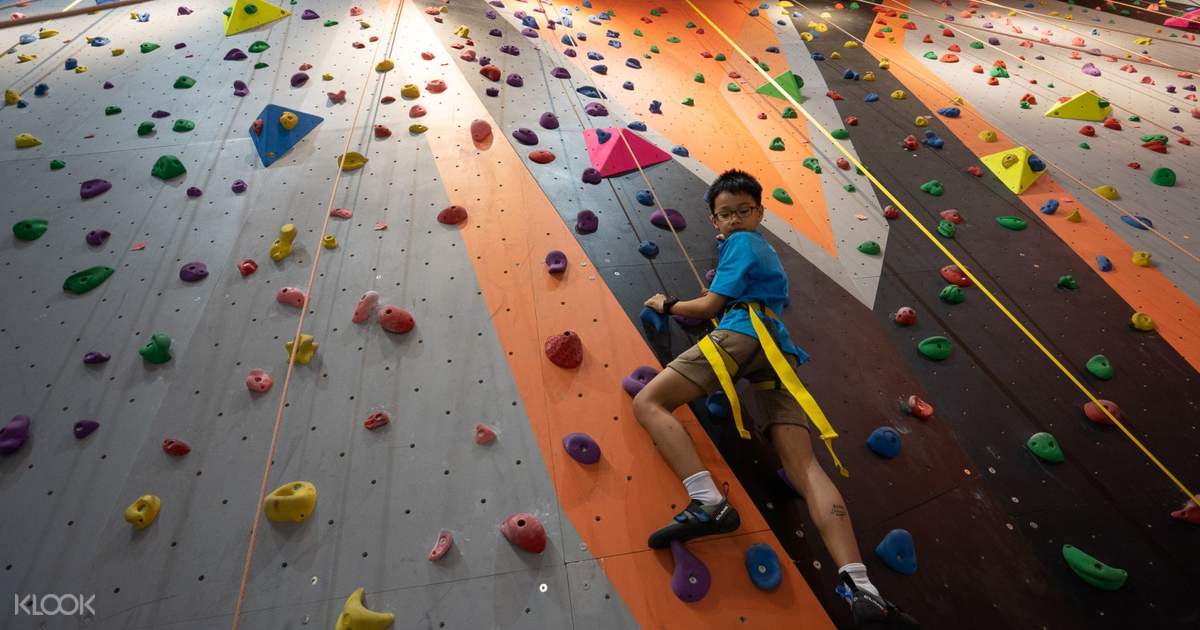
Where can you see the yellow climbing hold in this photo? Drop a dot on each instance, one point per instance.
(884, 64)
(1144, 41)
(308, 348)
(868, 76)
(288, 120)
(352, 161)
(326, 77)
(1082, 106)
(363, 24)
(462, 31)
(47, 33)
(356, 616)
(1075, 217)
(385, 65)
(142, 512)
(80, 69)
(282, 247)
(1012, 168)
(921, 121)
(1108, 192)
(806, 36)
(410, 90)
(850, 43)
(117, 52)
(293, 501)
(24, 57)
(417, 128)
(25, 140)
(1141, 321)
(329, 241)
(835, 55)
(1141, 258)
(957, 100)
(1008, 160)
(899, 95)
(11, 97)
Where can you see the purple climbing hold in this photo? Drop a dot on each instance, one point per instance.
(655, 107)
(595, 109)
(560, 73)
(495, 32)
(14, 434)
(240, 88)
(194, 192)
(638, 379)
(525, 136)
(570, 52)
(586, 222)
(84, 428)
(709, 275)
(628, 85)
(515, 80)
(299, 79)
(94, 358)
(676, 219)
(158, 113)
(1090, 69)
(510, 49)
(493, 91)
(96, 238)
(108, 85)
(591, 176)
(183, 11)
(528, 32)
(485, 61)
(94, 188)
(193, 272)
(633, 63)
(691, 579)
(582, 448)
(556, 261)
(994, 41)
(600, 68)
(238, 186)
(180, 45)
(548, 121)
(235, 54)
(309, 14)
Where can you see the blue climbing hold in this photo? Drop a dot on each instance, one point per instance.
(718, 406)
(1050, 207)
(884, 442)
(614, 43)
(600, 68)
(773, 49)
(950, 112)
(871, 97)
(611, 33)
(603, 136)
(932, 140)
(566, 40)
(590, 92)
(680, 150)
(587, 4)
(581, 36)
(41, 89)
(637, 125)
(644, 197)
(99, 41)
(1103, 263)
(633, 63)
(898, 551)
(628, 85)
(762, 564)
(27, 39)
(595, 56)
(816, 56)
(1141, 223)
(529, 21)
(753, 12)
(648, 249)
(70, 63)
(653, 319)
(848, 74)
(1036, 164)
(655, 107)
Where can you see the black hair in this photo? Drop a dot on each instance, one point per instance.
(733, 181)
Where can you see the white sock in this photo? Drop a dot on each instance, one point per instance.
(700, 487)
(858, 572)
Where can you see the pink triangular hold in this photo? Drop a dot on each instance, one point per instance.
(612, 158)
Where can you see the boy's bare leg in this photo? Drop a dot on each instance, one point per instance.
(825, 503)
(653, 406)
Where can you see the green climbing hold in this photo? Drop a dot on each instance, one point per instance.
(812, 164)
(840, 134)
(1067, 282)
(330, 22)
(167, 167)
(689, 101)
(637, 32)
(1026, 105)
(1100, 367)
(1163, 176)
(148, 47)
(977, 45)
(655, 13)
(673, 39)
(854, 6)
(182, 125)
(930, 55)
(690, 24)
(1015, 224)
(184, 82)
(781, 196)
(258, 46)
(788, 112)
(145, 129)
(998, 72)
(1045, 447)
(1155, 137)
(1093, 571)
(228, 11)
(699, 78)
(250, 8)
(764, 66)
(933, 187)
(947, 228)
(720, 57)
(886, 29)
(849, 188)
(157, 350)
(30, 229)
(1082, 145)
(733, 87)
(936, 348)
(112, 110)
(776, 144)
(654, 48)
(870, 248)
(57, 164)
(260, 65)
(1132, 117)
(953, 294)
(86, 280)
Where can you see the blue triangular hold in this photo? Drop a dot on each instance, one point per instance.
(274, 142)
(898, 551)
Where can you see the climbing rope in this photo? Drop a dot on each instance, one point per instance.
(949, 255)
(312, 276)
(1162, 10)
(1165, 40)
(1120, 208)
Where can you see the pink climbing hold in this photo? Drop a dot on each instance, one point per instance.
(452, 215)
(366, 305)
(638, 379)
(435, 86)
(614, 158)
(1189, 513)
(525, 531)
(417, 111)
(258, 381)
(484, 434)
(395, 319)
(691, 579)
(291, 296)
(444, 540)
(480, 130)
(1093, 412)
(565, 350)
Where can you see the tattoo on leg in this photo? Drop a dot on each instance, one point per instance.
(838, 510)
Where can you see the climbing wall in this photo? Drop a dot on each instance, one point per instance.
(988, 518)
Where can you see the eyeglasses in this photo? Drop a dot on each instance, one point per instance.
(741, 212)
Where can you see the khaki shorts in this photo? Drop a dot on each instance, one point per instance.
(770, 406)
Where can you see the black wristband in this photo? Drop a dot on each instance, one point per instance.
(668, 304)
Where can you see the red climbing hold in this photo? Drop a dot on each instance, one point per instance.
(975, 170)
(915, 406)
(484, 434)
(946, 32)
(417, 111)
(427, 56)
(905, 316)
(1135, 165)
(1112, 123)
(955, 48)
(525, 531)
(910, 26)
(1094, 413)
(444, 540)
(1155, 145)
(480, 130)
(1029, 98)
(452, 215)
(541, 156)
(833, 94)
(491, 72)
(382, 132)
(928, 39)
(395, 319)
(436, 86)
(909, 143)
(993, 81)
(977, 69)
(177, 448)
(247, 267)
(949, 58)
(891, 213)
(953, 216)
(387, 100)
(565, 350)
(1087, 130)
(851, 121)
(1189, 513)
(376, 420)
(955, 276)
(843, 164)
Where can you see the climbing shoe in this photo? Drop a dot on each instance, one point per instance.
(873, 611)
(697, 520)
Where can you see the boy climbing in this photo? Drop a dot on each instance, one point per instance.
(749, 289)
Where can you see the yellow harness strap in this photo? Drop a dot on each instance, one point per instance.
(787, 376)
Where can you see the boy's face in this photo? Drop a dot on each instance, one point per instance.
(735, 212)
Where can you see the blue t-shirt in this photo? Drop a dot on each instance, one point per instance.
(749, 271)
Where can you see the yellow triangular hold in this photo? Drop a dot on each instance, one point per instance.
(248, 14)
(1082, 106)
(1013, 168)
